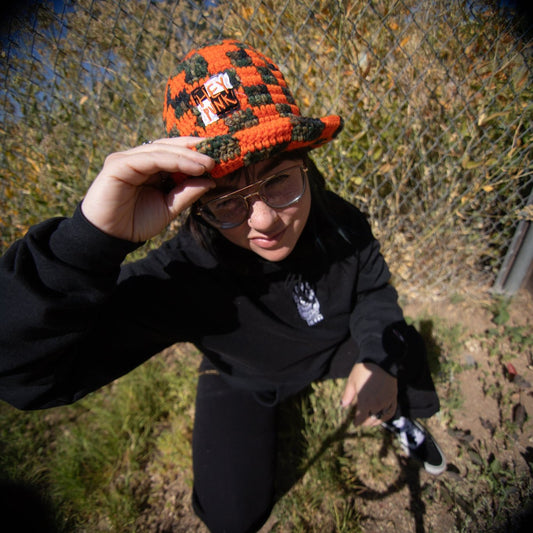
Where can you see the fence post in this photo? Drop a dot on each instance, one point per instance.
(518, 260)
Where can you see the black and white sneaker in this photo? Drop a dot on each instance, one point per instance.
(418, 443)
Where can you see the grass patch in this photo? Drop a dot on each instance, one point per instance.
(90, 458)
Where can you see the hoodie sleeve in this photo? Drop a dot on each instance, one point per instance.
(376, 317)
(60, 322)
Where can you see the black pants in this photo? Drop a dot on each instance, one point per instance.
(234, 455)
(234, 438)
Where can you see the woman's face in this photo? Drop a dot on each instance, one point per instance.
(271, 233)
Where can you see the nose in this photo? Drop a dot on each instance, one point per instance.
(261, 216)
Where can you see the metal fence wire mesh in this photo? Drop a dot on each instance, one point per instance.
(436, 98)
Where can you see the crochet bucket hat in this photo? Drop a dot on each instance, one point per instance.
(239, 100)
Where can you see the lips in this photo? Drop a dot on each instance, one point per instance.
(267, 242)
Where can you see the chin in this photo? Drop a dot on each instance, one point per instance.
(273, 255)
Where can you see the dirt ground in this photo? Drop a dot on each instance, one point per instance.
(428, 503)
(488, 458)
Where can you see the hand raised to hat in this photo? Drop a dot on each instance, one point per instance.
(127, 199)
(374, 392)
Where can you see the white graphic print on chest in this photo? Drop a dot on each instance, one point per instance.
(307, 303)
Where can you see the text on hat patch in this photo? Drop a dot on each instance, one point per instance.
(215, 98)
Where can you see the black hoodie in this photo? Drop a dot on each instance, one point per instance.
(73, 319)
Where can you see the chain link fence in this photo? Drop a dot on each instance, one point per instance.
(436, 97)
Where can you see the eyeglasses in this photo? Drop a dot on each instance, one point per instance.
(278, 191)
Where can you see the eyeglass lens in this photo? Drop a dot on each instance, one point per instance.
(278, 191)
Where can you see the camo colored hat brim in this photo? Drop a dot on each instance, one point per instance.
(239, 100)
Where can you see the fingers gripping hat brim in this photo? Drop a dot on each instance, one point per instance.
(238, 99)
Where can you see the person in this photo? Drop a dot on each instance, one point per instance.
(278, 282)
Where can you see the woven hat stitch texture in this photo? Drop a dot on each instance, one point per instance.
(239, 100)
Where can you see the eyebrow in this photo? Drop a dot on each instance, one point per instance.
(272, 166)
(268, 171)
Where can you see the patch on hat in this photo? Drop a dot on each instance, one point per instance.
(215, 98)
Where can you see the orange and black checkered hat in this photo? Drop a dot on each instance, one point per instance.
(238, 99)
